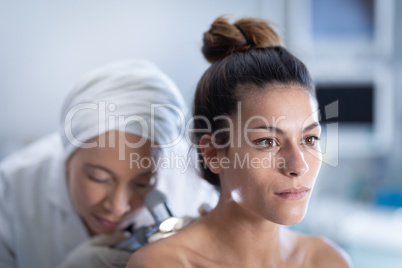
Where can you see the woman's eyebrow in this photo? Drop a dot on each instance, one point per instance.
(281, 132)
(145, 173)
(311, 126)
(271, 129)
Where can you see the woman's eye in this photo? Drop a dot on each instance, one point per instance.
(267, 143)
(100, 180)
(141, 185)
(146, 183)
(311, 141)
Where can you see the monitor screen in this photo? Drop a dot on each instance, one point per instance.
(356, 103)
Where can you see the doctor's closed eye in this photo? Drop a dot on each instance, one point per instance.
(145, 180)
(97, 174)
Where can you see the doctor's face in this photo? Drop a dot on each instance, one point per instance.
(106, 191)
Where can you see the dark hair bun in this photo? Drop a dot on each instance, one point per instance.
(224, 38)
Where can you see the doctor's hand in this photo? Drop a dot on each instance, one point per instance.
(97, 252)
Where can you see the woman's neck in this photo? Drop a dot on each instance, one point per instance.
(243, 237)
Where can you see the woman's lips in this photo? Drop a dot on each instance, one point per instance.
(106, 223)
(293, 193)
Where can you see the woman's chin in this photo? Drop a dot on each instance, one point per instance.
(291, 218)
(291, 221)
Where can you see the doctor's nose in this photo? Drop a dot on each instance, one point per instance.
(295, 163)
(119, 202)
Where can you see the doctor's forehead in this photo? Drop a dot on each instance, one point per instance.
(109, 148)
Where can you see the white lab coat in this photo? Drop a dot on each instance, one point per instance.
(38, 223)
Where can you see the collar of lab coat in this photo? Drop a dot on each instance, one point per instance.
(58, 194)
(73, 230)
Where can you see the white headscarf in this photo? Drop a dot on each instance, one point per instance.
(135, 93)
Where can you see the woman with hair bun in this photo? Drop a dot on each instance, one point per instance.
(257, 134)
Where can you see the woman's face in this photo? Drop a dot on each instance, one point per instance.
(106, 191)
(275, 155)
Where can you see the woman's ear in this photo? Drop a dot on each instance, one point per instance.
(210, 154)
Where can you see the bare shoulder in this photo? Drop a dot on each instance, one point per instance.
(325, 253)
(176, 251)
(157, 254)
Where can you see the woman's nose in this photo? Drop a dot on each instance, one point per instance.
(119, 202)
(295, 163)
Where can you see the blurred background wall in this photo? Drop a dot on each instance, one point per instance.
(46, 46)
(353, 49)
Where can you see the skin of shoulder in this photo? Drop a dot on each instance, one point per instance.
(157, 254)
(172, 252)
(327, 254)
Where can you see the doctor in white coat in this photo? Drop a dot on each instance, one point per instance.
(65, 199)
